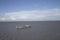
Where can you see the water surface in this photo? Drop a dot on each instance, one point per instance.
(40, 30)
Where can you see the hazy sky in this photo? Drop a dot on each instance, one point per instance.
(29, 10)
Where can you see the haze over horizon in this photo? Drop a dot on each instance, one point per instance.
(29, 10)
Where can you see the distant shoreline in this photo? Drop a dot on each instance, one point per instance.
(29, 21)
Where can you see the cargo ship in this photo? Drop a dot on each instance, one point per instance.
(23, 27)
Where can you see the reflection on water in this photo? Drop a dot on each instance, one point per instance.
(38, 31)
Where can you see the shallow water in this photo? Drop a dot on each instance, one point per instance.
(40, 30)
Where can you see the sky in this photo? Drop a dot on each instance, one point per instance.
(29, 10)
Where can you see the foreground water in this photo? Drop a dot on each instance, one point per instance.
(40, 30)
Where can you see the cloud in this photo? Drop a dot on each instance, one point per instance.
(34, 15)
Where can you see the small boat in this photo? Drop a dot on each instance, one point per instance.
(23, 27)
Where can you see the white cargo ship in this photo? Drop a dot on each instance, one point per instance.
(23, 27)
